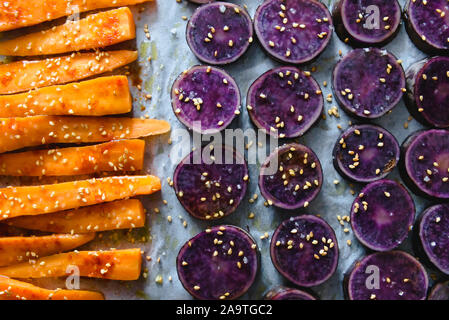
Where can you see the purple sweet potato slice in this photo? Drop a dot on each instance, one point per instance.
(440, 291)
(205, 99)
(284, 293)
(425, 163)
(434, 235)
(285, 102)
(401, 277)
(291, 177)
(366, 153)
(427, 23)
(382, 215)
(210, 184)
(428, 91)
(304, 250)
(355, 21)
(219, 33)
(368, 83)
(219, 263)
(293, 31)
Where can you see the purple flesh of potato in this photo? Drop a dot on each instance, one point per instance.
(219, 263)
(219, 33)
(368, 83)
(285, 102)
(382, 215)
(366, 153)
(434, 235)
(355, 21)
(284, 293)
(428, 25)
(425, 163)
(211, 188)
(439, 292)
(205, 99)
(401, 277)
(293, 31)
(428, 91)
(304, 250)
(297, 179)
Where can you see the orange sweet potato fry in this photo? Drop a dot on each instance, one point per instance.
(120, 155)
(95, 31)
(97, 97)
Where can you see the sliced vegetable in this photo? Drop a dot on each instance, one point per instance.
(121, 155)
(393, 275)
(285, 102)
(26, 75)
(95, 31)
(428, 91)
(291, 177)
(205, 99)
(38, 130)
(382, 215)
(304, 250)
(219, 33)
(113, 265)
(35, 200)
(284, 293)
(23, 13)
(425, 163)
(22, 249)
(366, 153)
(293, 31)
(122, 214)
(439, 292)
(433, 235)
(365, 23)
(97, 97)
(219, 263)
(368, 83)
(427, 25)
(17, 290)
(211, 185)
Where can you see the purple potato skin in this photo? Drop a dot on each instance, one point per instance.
(302, 263)
(423, 20)
(433, 234)
(284, 293)
(394, 267)
(196, 185)
(218, 275)
(433, 108)
(345, 15)
(364, 72)
(382, 215)
(439, 292)
(208, 22)
(291, 196)
(372, 158)
(422, 151)
(271, 97)
(307, 45)
(206, 83)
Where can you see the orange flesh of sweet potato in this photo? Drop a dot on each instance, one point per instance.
(11, 289)
(97, 97)
(114, 265)
(95, 31)
(120, 155)
(17, 133)
(22, 13)
(14, 250)
(25, 75)
(123, 214)
(34, 200)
